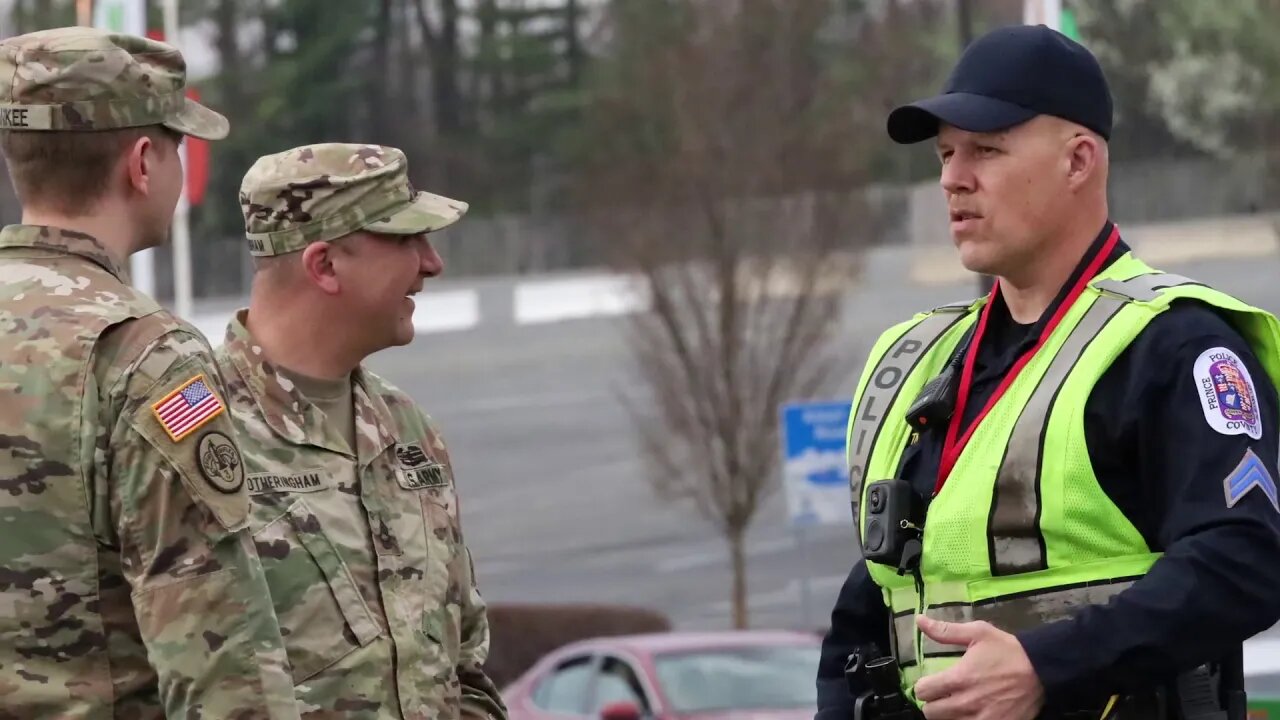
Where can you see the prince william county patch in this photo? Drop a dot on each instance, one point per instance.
(1227, 393)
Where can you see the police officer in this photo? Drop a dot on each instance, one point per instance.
(129, 585)
(1065, 491)
(355, 510)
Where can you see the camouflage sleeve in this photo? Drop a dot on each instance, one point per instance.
(171, 498)
(480, 696)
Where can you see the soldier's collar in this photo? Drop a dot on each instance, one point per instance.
(61, 240)
(375, 425)
(280, 405)
(291, 415)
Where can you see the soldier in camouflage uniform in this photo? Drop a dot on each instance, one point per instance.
(355, 509)
(129, 583)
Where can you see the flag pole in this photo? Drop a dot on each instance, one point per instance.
(182, 295)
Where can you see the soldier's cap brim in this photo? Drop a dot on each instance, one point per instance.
(427, 213)
(199, 121)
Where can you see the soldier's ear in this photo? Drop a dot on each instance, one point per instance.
(139, 162)
(318, 265)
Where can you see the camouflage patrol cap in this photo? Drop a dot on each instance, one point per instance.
(319, 193)
(82, 79)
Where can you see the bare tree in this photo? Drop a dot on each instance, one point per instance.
(441, 37)
(380, 83)
(722, 170)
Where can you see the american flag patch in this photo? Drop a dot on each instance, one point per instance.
(185, 409)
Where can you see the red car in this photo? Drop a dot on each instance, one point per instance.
(746, 675)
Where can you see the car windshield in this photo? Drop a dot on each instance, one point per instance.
(755, 678)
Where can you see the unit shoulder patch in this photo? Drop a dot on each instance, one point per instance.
(1227, 393)
(220, 462)
(410, 455)
(417, 470)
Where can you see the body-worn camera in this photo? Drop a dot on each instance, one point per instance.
(892, 519)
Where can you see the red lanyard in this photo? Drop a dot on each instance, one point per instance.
(952, 447)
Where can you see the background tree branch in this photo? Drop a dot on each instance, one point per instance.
(723, 173)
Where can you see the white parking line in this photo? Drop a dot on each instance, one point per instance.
(581, 297)
(787, 595)
(433, 312)
(713, 557)
(446, 310)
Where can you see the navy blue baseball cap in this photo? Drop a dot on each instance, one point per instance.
(1007, 77)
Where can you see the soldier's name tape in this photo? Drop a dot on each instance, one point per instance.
(26, 117)
(82, 114)
(307, 481)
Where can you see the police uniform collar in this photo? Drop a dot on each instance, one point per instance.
(70, 242)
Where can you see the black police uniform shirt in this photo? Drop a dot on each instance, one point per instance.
(1161, 461)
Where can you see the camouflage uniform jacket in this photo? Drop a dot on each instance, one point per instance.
(364, 554)
(129, 585)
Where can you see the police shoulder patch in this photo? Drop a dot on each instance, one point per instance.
(1227, 393)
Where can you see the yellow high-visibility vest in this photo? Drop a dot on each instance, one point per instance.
(1021, 534)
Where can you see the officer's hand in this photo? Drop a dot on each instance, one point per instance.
(993, 681)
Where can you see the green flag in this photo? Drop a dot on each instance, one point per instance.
(1067, 22)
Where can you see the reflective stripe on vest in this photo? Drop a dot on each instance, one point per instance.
(884, 384)
(1016, 613)
(1016, 542)
(1142, 288)
(904, 637)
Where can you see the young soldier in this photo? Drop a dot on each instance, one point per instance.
(129, 586)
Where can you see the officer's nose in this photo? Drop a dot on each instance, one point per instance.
(430, 263)
(957, 176)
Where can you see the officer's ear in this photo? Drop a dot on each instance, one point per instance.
(319, 267)
(1086, 160)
